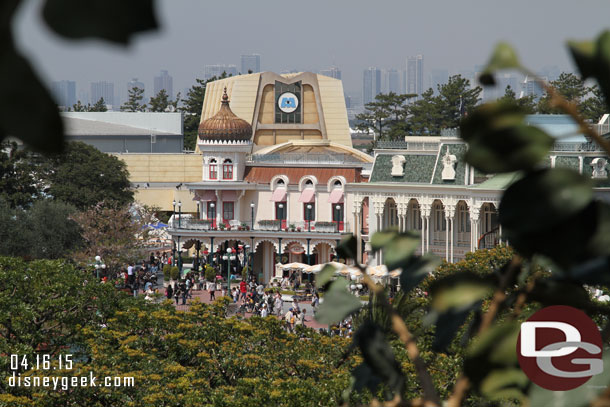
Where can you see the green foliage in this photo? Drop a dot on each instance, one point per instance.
(167, 272)
(570, 86)
(99, 106)
(44, 231)
(198, 357)
(210, 273)
(192, 108)
(504, 56)
(338, 303)
(526, 103)
(19, 179)
(133, 104)
(160, 102)
(84, 176)
(174, 273)
(499, 141)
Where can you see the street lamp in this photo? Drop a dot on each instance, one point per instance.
(173, 212)
(179, 212)
(339, 215)
(252, 207)
(309, 217)
(246, 248)
(229, 257)
(213, 205)
(99, 265)
(281, 206)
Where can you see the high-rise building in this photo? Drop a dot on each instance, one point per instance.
(135, 83)
(333, 72)
(415, 74)
(164, 81)
(437, 77)
(532, 87)
(371, 84)
(104, 90)
(392, 81)
(210, 71)
(64, 92)
(250, 64)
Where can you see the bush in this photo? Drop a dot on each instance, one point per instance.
(210, 273)
(175, 273)
(244, 273)
(167, 272)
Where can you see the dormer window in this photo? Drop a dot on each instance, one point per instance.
(213, 169)
(227, 170)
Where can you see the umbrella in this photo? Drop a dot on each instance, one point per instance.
(294, 266)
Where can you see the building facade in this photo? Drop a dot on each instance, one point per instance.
(371, 84)
(64, 93)
(276, 157)
(250, 64)
(166, 82)
(415, 75)
(101, 90)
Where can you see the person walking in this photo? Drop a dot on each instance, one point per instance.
(212, 290)
(169, 292)
(176, 292)
(290, 320)
(277, 305)
(264, 311)
(243, 288)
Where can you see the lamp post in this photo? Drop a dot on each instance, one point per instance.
(198, 213)
(173, 212)
(179, 256)
(99, 265)
(252, 208)
(246, 249)
(179, 212)
(213, 205)
(309, 217)
(339, 215)
(229, 257)
(308, 254)
(281, 206)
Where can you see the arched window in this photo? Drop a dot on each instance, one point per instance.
(213, 173)
(227, 170)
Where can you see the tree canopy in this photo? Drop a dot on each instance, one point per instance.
(133, 104)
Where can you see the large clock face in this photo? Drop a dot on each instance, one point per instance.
(288, 102)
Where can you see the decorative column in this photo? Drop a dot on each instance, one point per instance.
(449, 212)
(402, 212)
(474, 227)
(425, 209)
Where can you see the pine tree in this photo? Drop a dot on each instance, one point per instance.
(99, 106)
(133, 103)
(160, 102)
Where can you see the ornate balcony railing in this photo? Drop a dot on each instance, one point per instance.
(261, 225)
(294, 158)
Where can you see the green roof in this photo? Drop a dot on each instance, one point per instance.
(417, 168)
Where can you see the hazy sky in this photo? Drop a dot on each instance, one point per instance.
(315, 34)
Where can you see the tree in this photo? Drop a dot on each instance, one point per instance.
(527, 103)
(594, 107)
(99, 106)
(192, 108)
(424, 115)
(116, 233)
(84, 176)
(135, 96)
(79, 107)
(570, 87)
(456, 99)
(19, 183)
(160, 102)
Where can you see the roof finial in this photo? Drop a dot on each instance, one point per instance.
(225, 97)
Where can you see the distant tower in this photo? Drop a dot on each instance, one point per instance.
(164, 81)
(371, 84)
(415, 74)
(104, 90)
(333, 72)
(250, 63)
(210, 71)
(393, 81)
(64, 92)
(135, 83)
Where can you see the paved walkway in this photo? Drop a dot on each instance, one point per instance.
(204, 296)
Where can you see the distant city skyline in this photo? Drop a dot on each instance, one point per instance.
(462, 37)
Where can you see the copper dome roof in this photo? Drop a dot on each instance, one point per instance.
(225, 125)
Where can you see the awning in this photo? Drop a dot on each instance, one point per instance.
(307, 196)
(228, 196)
(205, 196)
(336, 196)
(279, 195)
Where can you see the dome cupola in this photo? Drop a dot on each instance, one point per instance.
(225, 125)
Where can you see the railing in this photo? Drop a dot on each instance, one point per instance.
(294, 158)
(262, 225)
(407, 145)
(576, 147)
